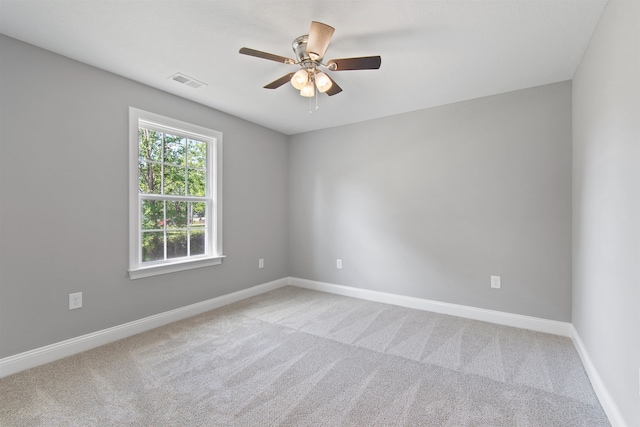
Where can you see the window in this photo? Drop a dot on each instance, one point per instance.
(175, 218)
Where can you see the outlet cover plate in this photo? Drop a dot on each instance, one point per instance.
(75, 301)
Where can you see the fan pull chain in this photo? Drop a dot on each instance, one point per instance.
(315, 92)
(311, 109)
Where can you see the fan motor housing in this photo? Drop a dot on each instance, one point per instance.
(300, 48)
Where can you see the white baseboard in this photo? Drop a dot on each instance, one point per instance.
(39, 356)
(609, 406)
(499, 317)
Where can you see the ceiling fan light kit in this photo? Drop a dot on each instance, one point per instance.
(309, 51)
(304, 81)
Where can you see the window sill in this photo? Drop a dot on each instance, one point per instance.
(155, 270)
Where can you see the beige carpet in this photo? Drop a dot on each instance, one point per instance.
(299, 357)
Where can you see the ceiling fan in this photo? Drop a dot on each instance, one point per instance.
(309, 51)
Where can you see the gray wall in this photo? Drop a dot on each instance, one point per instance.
(606, 203)
(431, 203)
(64, 201)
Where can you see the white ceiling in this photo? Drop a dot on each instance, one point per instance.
(433, 52)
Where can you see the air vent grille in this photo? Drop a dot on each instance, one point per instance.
(186, 80)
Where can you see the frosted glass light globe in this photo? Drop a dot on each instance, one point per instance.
(308, 90)
(323, 82)
(300, 79)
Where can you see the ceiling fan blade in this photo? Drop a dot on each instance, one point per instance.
(277, 83)
(265, 55)
(319, 37)
(361, 63)
(334, 89)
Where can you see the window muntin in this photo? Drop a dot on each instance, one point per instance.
(177, 219)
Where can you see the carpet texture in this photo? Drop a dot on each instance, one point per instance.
(299, 357)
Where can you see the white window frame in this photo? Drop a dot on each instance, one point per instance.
(213, 245)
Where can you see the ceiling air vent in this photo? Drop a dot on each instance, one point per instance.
(186, 80)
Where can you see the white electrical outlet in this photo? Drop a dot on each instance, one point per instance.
(338, 263)
(75, 300)
(495, 282)
(261, 263)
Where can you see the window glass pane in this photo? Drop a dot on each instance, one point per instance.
(176, 244)
(176, 214)
(152, 246)
(174, 149)
(197, 215)
(152, 214)
(174, 180)
(197, 154)
(197, 242)
(150, 144)
(197, 179)
(143, 171)
(149, 177)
